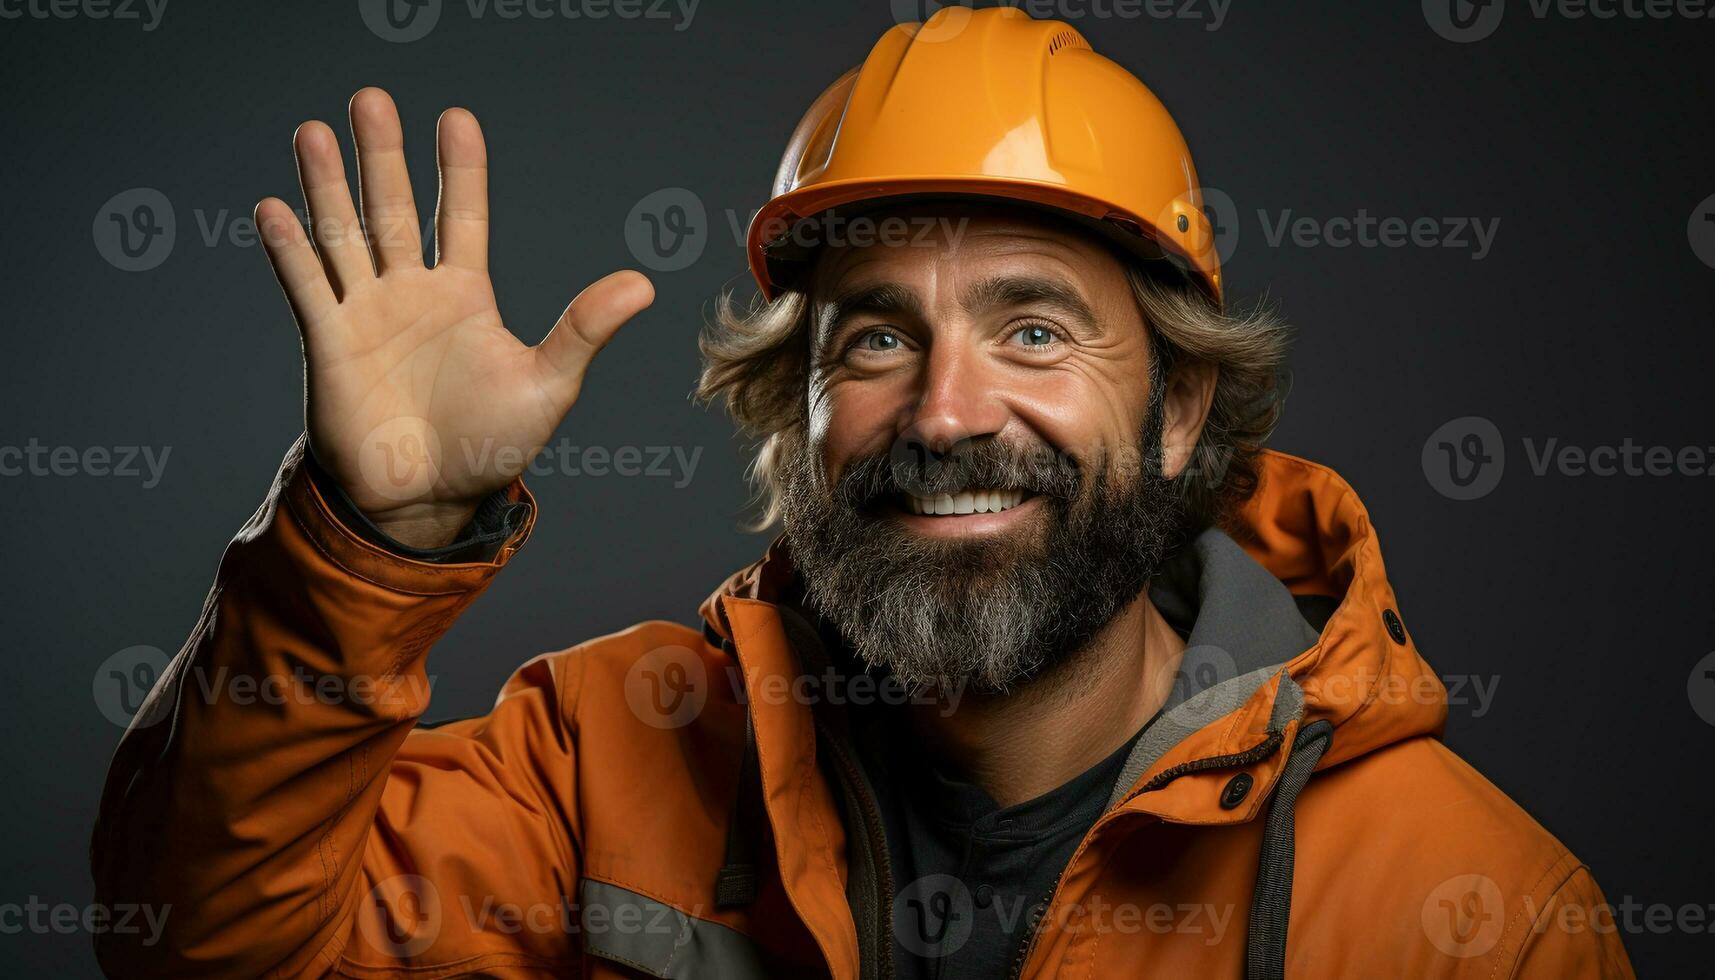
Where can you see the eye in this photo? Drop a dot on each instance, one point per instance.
(878, 341)
(1036, 335)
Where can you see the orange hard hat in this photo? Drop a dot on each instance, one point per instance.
(992, 103)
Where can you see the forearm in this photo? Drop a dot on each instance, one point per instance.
(251, 778)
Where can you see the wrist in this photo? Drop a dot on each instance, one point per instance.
(424, 525)
(418, 528)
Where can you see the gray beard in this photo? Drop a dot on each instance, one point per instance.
(991, 612)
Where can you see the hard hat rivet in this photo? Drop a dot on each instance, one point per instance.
(1184, 223)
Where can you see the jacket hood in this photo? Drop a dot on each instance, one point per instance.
(1290, 619)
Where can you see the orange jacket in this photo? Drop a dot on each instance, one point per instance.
(276, 796)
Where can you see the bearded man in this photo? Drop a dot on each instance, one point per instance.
(1053, 671)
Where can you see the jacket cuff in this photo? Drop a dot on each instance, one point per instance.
(497, 519)
(341, 532)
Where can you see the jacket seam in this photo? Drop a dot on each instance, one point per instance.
(1561, 860)
(328, 849)
(574, 691)
(459, 967)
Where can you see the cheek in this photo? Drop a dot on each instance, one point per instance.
(1084, 409)
(849, 419)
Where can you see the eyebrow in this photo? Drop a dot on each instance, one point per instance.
(885, 300)
(1002, 291)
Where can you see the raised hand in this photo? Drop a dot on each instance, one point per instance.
(419, 401)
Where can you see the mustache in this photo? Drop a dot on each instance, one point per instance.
(912, 468)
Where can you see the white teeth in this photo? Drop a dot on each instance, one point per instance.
(966, 502)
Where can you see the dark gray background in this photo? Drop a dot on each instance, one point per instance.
(1587, 599)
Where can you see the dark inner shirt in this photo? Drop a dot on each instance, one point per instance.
(966, 871)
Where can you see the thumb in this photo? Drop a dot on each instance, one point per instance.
(589, 322)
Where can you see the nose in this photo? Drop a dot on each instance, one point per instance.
(958, 401)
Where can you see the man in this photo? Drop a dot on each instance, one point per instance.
(1053, 672)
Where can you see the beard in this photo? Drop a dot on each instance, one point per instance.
(988, 610)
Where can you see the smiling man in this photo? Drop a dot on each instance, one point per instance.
(1052, 671)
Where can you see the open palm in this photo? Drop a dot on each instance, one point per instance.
(419, 401)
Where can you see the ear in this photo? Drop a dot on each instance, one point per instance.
(1184, 408)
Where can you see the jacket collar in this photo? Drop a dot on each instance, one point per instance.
(1304, 531)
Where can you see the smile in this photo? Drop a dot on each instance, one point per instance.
(965, 502)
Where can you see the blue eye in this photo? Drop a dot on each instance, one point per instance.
(1036, 336)
(879, 340)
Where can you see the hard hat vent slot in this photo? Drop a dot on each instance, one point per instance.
(1067, 39)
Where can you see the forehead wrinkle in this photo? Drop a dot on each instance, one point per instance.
(1021, 289)
(981, 237)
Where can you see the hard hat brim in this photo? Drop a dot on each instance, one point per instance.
(777, 249)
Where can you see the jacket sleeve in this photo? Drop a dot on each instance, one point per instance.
(274, 807)
(1575, 935)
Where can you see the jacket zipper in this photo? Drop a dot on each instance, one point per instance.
(1033, 923)
(880, 914)
(856, 787)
